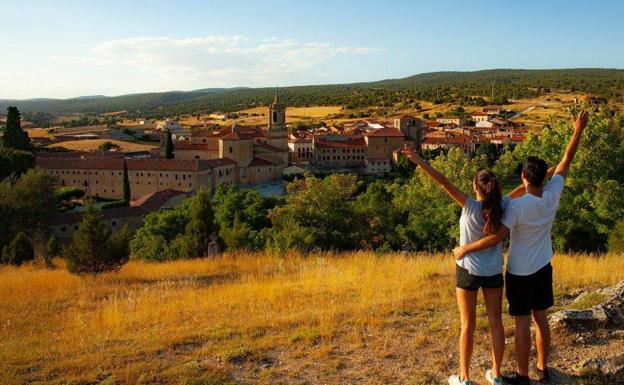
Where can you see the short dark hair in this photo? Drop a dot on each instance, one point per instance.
(535, 170)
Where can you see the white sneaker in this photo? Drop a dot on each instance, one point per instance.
(493, 380)
(454, 380)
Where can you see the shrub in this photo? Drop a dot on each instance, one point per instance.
(20, 250)
(53, 247)
(616, 238)
(94, 248)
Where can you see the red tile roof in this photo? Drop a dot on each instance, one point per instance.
(220, 162)
(259, 162)
(133, 164)
(385, 132)
(194, 146)
(357, 142)
(268, 147)
(155, 201)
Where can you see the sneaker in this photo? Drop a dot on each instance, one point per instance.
(516, 379)
(454, 380)
(493, 380)
(543, 376)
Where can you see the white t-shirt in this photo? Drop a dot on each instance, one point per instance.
(485, 262)
(529, 220)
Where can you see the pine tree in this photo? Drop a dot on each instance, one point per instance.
(94, 249)
(169, 146)
(53, 247)
(14, 136)
(201, 226)
(126, 184)
(20, 250)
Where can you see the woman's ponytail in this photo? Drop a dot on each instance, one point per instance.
(492, 209)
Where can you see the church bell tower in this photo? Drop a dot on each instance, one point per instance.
(277, 134)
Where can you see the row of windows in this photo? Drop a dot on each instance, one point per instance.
(344, 157)
(345, 150)
(149, 174)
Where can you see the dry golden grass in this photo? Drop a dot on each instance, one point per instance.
(39, 133)
(94, 144)
(259, 318)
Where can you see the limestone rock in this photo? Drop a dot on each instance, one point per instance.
(610, 368)
(608, 313)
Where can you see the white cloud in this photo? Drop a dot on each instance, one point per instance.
(208, 61)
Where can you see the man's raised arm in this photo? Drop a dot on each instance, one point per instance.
(579, 125)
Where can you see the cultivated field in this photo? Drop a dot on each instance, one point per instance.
(260, 115)
(244, 319)
(94, 144)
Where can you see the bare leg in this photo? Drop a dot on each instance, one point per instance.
(542, 337)
(467, 302)
(493, 304)
(523, 343)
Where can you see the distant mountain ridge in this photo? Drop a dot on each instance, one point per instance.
(455, 86)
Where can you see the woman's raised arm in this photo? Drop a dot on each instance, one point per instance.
(457, 195)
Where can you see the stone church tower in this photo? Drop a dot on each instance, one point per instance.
(277, 134)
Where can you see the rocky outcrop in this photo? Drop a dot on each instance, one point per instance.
(610, 368)
(609, 313)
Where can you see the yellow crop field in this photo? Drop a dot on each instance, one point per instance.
(94, 144)
(251, 318)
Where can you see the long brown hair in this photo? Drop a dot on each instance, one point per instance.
(489, 188)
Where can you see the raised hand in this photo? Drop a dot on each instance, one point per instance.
(581, 121)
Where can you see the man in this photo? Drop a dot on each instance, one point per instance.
(529, 220)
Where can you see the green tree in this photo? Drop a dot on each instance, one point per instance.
(381, 215)
(250, 208)
(107, 146)
(432, 216)
(14, 136)
(20, 250)
(93, 248)
(168, 146)
(158, 239)
(489, 151)
(15, 162)
(26, 204)
(317, 214)
(201, 227)
(593, 200)
(616, 238)
(237, 236)
(54, 247)
(126, 184)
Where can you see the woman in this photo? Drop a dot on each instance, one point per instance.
(482, 269)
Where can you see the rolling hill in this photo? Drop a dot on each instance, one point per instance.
(438, 87)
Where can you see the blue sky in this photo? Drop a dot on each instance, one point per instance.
(73, 48)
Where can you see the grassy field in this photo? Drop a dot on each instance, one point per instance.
(247, 319)
(94, 144)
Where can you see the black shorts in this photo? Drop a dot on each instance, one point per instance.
(465, 280)
(529, 292)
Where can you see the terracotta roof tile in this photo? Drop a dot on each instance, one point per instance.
(155, 201)
(357, 142)
(259, 162)
(385, 132)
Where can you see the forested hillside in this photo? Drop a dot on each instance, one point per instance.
(458, 87)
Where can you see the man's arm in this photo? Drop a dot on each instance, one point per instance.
(579, 125)
(520, 190)
(483, 243)
(457, 195)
